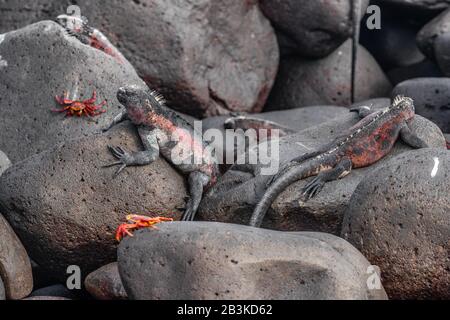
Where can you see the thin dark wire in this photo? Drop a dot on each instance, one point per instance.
(356, 16)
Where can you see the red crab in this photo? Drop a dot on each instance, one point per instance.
(448, 144)
(80, 108)
(138, 222)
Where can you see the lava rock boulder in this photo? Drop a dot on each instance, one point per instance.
(316, 28)
(55, 291)
(66, 207)
(15, 266)
(394, 44)
(432, 31)
(207, 57)
(105, 283)
(423, 69)
(442, 53)
(419, 4)
(399, 218)
(304, 82)
(46, 298)
(42, 61)
(431, 98)
(205, 260)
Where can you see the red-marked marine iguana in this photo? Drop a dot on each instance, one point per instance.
(78, 28)
(365, 143)
(164, 132)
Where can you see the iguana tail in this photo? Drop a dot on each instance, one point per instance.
(303, 170)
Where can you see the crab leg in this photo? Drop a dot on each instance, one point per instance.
(61, 110)
(92, 99)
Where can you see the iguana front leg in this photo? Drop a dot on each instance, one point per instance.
(117, 119)
(411, 139)
(342, 169)
(139, 158)
(197, 181)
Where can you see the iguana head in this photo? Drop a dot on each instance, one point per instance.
(403, 106)
(75, 26)
(140, 102)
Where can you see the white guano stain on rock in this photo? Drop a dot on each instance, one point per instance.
(435, 167)
(3, 63)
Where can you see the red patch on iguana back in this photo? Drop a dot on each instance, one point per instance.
(370, 149)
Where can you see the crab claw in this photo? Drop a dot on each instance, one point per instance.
(123, 230)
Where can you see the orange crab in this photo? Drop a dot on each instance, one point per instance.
(138, 222)
(80, 108)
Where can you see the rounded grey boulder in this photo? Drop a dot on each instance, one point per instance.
(442, 53)
(208, 57)
(66, 207)
(432, 31)
(43, 61)
(431, 98)
(205, 260)
(394, 44)
(315, 28)
(305, 82)
(105, 283)
(15, 266)
(55, 291)
(399, 217)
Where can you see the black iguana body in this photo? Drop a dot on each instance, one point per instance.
(78, 28)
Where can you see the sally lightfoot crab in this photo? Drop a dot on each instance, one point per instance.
(80, 108)
(138, 222)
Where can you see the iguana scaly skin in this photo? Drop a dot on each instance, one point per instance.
(78, 28)
(248, 122)
(365, 143)
(163, 132)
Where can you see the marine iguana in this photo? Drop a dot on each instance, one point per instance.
(362, 145)
(248, 122)
(78, 28)
(164, 132)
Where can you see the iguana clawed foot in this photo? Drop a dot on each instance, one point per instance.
(313, 188)
(124, 157)
(138, 222)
